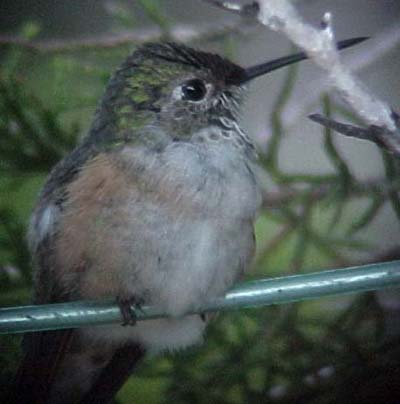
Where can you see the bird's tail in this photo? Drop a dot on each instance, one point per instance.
(59, 368)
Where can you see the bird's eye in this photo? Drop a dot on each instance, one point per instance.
(193, 90)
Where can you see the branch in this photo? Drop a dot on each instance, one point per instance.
(378, 46)
(179, 32)
(380, 135)
(319, 45)
(250, 294)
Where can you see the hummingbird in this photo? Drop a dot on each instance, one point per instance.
(155, 206)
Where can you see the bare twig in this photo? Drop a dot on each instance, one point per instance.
(179, 32)
(380, 135)
(378, 46)
(319, 44)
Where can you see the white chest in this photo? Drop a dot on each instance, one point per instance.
(188, 235)
(195, 222)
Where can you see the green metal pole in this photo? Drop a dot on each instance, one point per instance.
(249, 294)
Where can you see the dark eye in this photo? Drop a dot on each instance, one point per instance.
(194, 90)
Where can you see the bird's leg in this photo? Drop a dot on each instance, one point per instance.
(128, 313)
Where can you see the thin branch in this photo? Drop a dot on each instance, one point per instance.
(380, 135)
(319, 44)
(178, 32)
(378, 46)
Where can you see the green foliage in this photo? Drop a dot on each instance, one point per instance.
(314, 352)
(31, 137)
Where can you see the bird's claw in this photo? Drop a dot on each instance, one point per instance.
(128, 307)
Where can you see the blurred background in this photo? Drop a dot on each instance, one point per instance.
(329, 201)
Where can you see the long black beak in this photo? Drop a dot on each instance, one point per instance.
(263, 68)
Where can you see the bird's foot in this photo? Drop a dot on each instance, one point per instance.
(128, 307)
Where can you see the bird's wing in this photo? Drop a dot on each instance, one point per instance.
(43, 352)
(60, 366)
(97, 372)
(96, 375)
